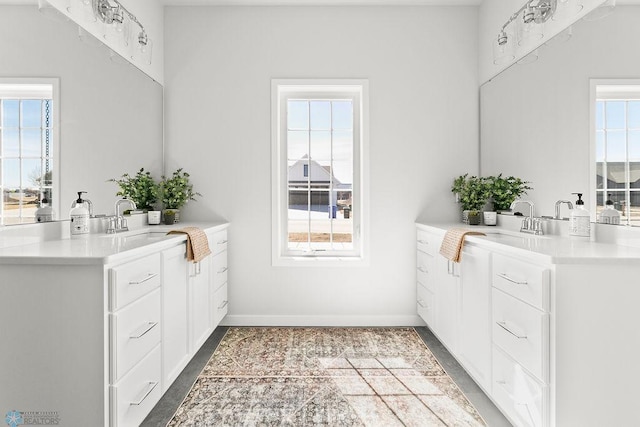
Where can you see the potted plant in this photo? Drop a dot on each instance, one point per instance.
(175, 191)
(504, 191)
(140, 188)
(472, 192)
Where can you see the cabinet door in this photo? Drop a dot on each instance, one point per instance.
(199, 310)
(447, 302)
(175, 322)
(475, 314)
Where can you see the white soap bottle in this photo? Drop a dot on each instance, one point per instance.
(580, 219)
(609, 215)
(79, 218)
(45, 212)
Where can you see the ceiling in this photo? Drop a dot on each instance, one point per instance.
(313, 2)
(322, 2)
(296, 2)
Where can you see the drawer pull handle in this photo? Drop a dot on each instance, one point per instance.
(148, 277)
(507, 278)
(197, 269)
(423, 242)
(420, 303)
(150, 387)
(222, 242)
(504, 326)
(423, 270)
(222, 270)
(223, 305)
(142, 330)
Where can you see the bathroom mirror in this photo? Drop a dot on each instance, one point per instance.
(536, 118)
(110, 114)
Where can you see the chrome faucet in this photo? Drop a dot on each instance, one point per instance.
(530, 224)
(558, 204)
(119, 222)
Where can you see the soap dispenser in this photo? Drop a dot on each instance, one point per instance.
(79, 218)
(609, 215)
(45, 212)
(580, 219)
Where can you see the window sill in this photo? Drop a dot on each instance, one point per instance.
(320, 261)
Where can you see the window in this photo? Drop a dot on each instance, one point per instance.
(617, 150)
(27, 147)
(318, 169)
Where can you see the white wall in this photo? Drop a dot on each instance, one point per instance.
(535, 117)
(421, 63)
(111, 114)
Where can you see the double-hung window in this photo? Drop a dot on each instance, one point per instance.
(617, 149)
(318, 170)
(28, 142)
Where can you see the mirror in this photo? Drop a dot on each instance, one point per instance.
(111, 114)
(536, 118)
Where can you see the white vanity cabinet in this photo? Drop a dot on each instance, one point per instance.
(453, 299)
(175, 314)
(135, 336)
(475, 314)
(520, 331)
(219, 274)
(95, 331)
(426, 280)
(547, 327)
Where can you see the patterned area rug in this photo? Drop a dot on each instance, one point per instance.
(324, 377)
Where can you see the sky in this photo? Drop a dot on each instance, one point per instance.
(11, 135)
(313, 126)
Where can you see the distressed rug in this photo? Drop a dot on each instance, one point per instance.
(324, 377)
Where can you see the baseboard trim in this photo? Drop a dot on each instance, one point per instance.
(324, 320)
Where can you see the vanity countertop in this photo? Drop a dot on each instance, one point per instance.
(547, 248)
(102, 248)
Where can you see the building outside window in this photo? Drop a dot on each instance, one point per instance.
(27, 148)
(617, 150)
(318, 170)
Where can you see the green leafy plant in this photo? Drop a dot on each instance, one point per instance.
(141, 188)
(504, 191)
(177, 190)
(472, 191)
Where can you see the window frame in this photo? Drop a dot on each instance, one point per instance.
(281, 90)
(625, 93)
(55, 130)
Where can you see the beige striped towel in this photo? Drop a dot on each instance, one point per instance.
(197, 243)
(453, 242)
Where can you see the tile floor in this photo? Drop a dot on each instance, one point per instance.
(370, 368)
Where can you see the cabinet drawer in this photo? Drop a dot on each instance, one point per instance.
(525, 281)
(133, 397)
(135, 330)
(427, 242)
(424, 264)
(425, 304)
(132, 280)
(522, 332)
(218, 242)
(517, 393)
(221, 304)
(219, 271)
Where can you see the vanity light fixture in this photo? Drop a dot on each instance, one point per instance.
(118, 21)
(530, 18)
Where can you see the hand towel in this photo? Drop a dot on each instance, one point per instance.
(453, 242)
(197, 243)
